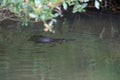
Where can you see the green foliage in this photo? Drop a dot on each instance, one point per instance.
(42, 10)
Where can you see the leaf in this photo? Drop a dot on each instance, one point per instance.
(50, 23)
(56, 15)
(43, 16)
(86, 0)
(97, 4)
(32, 15)
(100, 0)
(24, 23)
(76, 8)
(3, 3)
(84, 5)
(65, 6)
(37, 2)
(13, 1)
(37, 10)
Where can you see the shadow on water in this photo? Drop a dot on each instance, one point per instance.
(89, 57)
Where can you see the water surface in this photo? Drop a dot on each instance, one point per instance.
(89, 57)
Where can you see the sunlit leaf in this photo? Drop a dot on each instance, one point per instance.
(76, 8)
(24, 23)
(50, 23)
(70, 3)
(86, 0)
(32, 15)
(3, 2)
(84, 5)
(55, 15)
(65, 5)
(13, 1)
(42, 16)
(37, 2)
(100, 0)
(97, 4)
(36, 10)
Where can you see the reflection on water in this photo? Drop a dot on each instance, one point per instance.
(87, 58)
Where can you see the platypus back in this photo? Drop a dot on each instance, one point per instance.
(40, 39)
(44, 39)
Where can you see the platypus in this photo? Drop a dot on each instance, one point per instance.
(44, 39)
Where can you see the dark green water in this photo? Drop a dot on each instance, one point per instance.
(87, 58)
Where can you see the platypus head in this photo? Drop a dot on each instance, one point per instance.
(63, 40)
